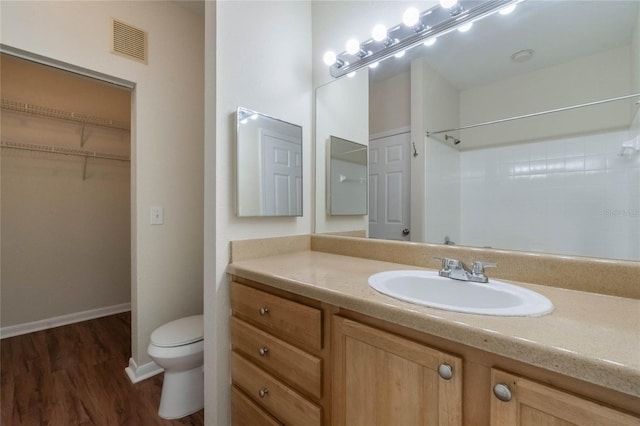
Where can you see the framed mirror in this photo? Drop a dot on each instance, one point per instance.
(268, 165)
(347, 186)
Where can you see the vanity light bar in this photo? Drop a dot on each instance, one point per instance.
(434, 22)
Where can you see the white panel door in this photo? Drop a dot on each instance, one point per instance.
(281, 175)
(389, 187)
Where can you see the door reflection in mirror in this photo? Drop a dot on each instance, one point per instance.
(268, 165)
(390, 186)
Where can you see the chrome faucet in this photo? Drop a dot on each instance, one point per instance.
(457, 270)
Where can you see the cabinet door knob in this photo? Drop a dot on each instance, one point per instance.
(263, 311)
(445, 371)
(263, 392)
(263, 351)
(502, 392)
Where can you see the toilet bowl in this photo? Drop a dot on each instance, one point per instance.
(178, 347)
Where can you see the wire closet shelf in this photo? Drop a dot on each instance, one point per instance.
(63, 151)
(47, 112)
(79, 118)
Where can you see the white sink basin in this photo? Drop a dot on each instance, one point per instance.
(429, 289)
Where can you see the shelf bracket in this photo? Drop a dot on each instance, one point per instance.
(82, 137)
(84, 168)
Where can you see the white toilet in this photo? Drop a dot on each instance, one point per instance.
(178, 347)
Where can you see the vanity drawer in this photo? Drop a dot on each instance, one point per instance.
(289, 320)
(294, 365)
(245, 412)
(277, 398)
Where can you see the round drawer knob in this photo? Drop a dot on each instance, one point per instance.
(263, 351)
(445, 371)
(502, 392)
(263, 392)
(264, 311)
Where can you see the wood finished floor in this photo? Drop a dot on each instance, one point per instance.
(74, 375)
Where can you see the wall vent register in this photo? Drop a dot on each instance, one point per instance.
(129, 41)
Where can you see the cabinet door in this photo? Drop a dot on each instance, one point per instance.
(383, 379)
(534, 404)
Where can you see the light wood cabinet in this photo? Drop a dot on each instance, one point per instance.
(247, 413)
(276, 369)
(273, 395)
(278, 357)
(291, 321)
(297, 361)
(383, 379)
(527, 403)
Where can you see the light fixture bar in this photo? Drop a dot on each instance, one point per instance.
(437, 21)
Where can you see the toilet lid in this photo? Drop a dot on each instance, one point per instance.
(179, 332)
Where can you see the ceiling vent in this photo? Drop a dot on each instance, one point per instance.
(129, 41)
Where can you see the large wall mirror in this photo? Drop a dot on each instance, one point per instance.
(268, 165)
(564, 176)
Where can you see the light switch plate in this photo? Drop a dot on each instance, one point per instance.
(157, 215)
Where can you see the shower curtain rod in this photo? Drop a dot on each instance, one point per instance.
(63, 151)
(486, 123)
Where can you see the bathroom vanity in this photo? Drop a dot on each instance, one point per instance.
(313, 344)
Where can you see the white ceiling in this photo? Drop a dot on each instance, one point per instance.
(558, 31)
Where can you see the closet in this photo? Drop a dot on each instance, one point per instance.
(65, 197)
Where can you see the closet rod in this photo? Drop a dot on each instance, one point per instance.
(486, 123)
(63, 151)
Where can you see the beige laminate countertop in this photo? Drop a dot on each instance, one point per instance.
(591, 337)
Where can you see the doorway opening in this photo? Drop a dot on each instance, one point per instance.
(390, 185)
(66, 195)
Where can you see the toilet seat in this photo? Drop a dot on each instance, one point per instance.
(183, 331)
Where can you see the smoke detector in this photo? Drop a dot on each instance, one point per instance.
(522, 56)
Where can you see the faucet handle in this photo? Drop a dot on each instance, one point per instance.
(447, 262)
(478, 267)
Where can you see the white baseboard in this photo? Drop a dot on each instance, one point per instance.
(138, 373)
(30, 327)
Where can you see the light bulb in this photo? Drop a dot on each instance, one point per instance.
(351, 74)
(430, 41)
(353, 46)
(254, 116)
(411, 17)
(379, 33)
(374, 65)
(399, 54)
(448, 4)
(507, 10)
(244, 121)
(466, 27)
(329, 58)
